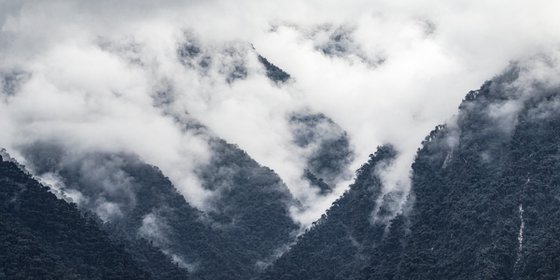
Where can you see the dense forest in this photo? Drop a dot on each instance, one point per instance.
(484, 201)
(328, 146)
(341, 241)
(247, 226)
(43, 237)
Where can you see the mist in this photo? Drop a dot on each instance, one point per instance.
(159, 79)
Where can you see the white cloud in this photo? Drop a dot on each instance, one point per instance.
(96, 66)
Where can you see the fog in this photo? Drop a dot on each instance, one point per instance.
(102, 76)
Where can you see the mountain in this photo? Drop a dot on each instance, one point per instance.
(273, 72)
(252, 205)
(43, 237)
(492, 175)
(483, 204)
(328, 150)
(246, 223)
(343, 239)
(247, 226)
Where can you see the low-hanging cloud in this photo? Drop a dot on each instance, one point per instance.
(100, 76)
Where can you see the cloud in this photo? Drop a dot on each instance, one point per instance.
(100, 76)
(154, 229)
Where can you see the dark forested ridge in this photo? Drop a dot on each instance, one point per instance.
(485, 201)
(246, 227)
(487, 189)
(42, 237)
(273, 72)
(341, 241)
(251, 206)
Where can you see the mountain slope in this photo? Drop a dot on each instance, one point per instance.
(493, 178)
(483, 205)
(43, 237)
(252, 203)
(246, 226)
(246, 222)
(341, 241)
(327, 146)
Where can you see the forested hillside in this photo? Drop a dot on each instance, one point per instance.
(42, 237)
(246, 226)
(486, 189)
(329, 152)
(484, 200)
(345, 237)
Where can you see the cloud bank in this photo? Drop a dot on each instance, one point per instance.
(138, 75)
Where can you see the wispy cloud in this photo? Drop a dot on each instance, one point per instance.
(110, 77)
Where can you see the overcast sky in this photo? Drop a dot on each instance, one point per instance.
(85, 74)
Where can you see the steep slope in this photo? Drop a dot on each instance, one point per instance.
(322, 146)
(273, 72)
(251, 205)
(247, 222)
(42, 237)
(341, 241)
(486, 189)
(484, 200)
(327, 148)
